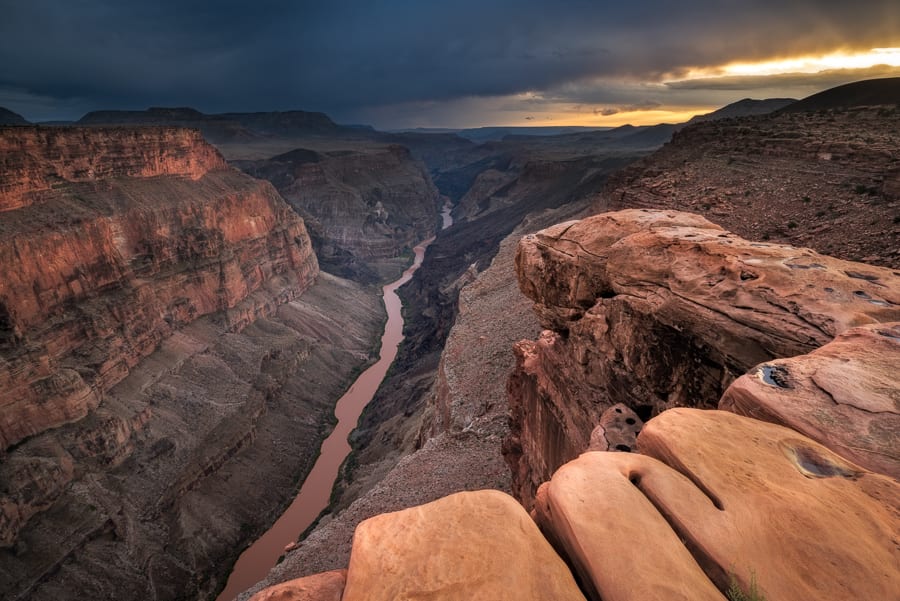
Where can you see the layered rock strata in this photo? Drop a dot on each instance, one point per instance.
(362, 207)
(155, 356)
(660, 309)
(112, 252)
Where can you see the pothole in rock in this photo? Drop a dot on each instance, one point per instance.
(775, 375)
(812, 463)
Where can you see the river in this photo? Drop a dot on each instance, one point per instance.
(255, 562)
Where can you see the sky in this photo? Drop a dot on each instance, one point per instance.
(422, 63)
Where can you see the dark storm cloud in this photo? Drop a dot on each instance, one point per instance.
(344, 56)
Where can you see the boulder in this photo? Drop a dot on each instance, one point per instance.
(470, 545)
(662, 309)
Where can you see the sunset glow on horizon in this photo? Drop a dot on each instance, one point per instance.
(831, 62)
(802, 64)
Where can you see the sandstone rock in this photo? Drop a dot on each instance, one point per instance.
(471, 545)
(620, 545)
(808, 523)
(659, 309)
(617, 431)
(327, 586)
(845, 395)
(36, 159)
(725, 495)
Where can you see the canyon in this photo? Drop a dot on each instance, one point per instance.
(174, 370)
(156, 347)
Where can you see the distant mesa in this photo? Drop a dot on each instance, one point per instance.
(871, 92)
(7, 117)
(745, 108)
(223, 127)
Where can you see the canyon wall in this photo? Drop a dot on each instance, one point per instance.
(156, 354)
(363, 207)
(712, 505)
(138, 234)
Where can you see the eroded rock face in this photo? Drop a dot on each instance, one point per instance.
(115, 251)
(659, 309)
(470, 545)
(360, 206)
(845, 395)
(136, 266)
(34, 160)
(719, 494)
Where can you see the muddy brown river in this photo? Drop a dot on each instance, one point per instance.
(255, 562)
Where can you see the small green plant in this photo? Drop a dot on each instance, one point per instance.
(791, 224)
(861, 189)
(806, 199)
(736, 593)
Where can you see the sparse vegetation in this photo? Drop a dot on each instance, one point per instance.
(791, 225)
(736, 593)
(806, 199)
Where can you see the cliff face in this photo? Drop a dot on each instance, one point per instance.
(361, 207)
(155, 355)
(139, 233)
(36, 160)
(661, 309)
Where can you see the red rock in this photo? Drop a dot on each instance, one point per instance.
(844, 395)
(470, 545)
(327, 586)
(106, 269)
(34, 160)
(721, 495)
(659, 309)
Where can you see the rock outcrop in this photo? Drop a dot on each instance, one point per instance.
(844, 394)
(112, 240)
(327, 586)
(471, 545)
(660, 309)
(362, 207)
(715, 497)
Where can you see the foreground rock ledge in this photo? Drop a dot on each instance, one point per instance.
(470, 545)
(661, 309)
(721, 494)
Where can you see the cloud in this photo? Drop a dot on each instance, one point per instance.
(356, 57)
(821, 79)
